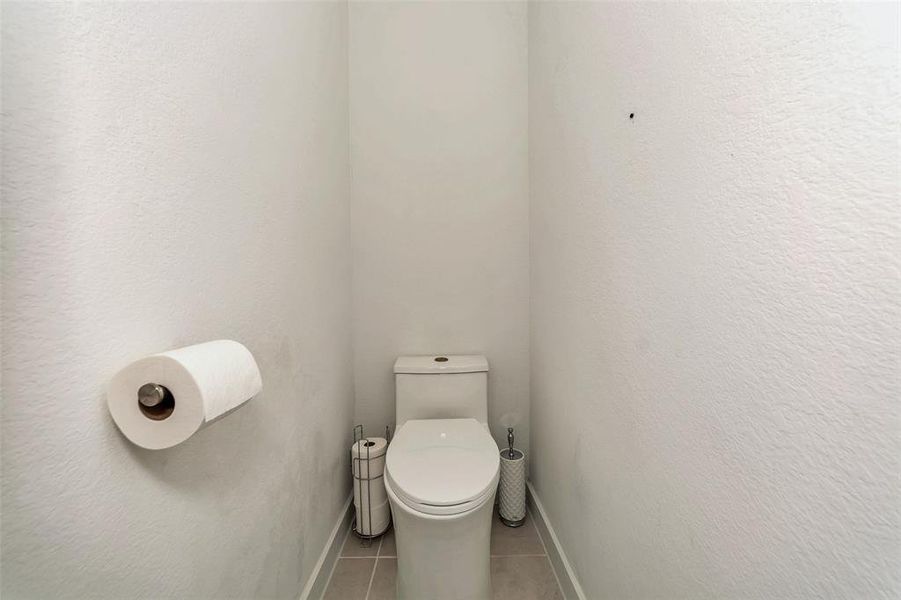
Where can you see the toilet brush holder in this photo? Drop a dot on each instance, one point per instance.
(512, 489)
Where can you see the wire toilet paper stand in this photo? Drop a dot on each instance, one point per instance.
(357, 470)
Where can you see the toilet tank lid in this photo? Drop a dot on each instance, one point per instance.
(441, 363)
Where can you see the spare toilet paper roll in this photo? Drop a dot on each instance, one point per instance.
(381, 518)
(374, 449)
(198, 384)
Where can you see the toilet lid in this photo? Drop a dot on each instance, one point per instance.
(442, 466)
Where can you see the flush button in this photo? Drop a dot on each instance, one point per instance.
(440, 359)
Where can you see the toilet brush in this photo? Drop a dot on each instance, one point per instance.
(512, 492)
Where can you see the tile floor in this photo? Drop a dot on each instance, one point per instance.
(520, 568)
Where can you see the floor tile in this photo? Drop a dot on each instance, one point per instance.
(388, 548)
(354, 546)
(519, 568)
(384, 582)
(523, 578)
(350, 579)
(507, 541)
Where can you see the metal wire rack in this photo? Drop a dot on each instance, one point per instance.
(357, 470)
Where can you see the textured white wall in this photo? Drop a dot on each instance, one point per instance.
(173, 173)
(716, 335)
(438, 126)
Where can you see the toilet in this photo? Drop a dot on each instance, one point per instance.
(441, 475)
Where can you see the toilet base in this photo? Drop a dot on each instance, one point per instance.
(442, 557)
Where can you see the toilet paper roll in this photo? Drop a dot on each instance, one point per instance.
(202, 383)
(372, 491)
(381, 518)
(375, 449)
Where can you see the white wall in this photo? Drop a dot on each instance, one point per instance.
(438, 97)
(173, 173)
(716, 334)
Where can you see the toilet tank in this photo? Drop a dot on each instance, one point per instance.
(441, 387)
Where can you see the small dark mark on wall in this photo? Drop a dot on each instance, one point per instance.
(631, 115)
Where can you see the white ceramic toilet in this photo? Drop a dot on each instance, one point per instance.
(441, 476)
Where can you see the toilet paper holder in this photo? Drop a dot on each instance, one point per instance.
(156, 401)
(356, 470)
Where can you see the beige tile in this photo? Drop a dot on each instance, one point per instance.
(506, 541)
(388, 548)
(523, 578)
(384, 584)
(350, 579)
(354, 546)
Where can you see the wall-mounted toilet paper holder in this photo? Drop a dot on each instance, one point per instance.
(155, 401)
(160, 400)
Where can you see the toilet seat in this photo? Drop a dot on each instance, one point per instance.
(442, 466)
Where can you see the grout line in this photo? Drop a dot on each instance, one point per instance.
(551, 564)
(358, 557)
(381, 540)
(375, 564)
(518, 555)
(331, 573)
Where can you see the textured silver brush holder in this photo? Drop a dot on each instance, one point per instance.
(512, 488)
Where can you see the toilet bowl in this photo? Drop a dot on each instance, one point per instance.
(441, 478)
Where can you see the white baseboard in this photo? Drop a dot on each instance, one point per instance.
(569, 583)
(315, 587)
